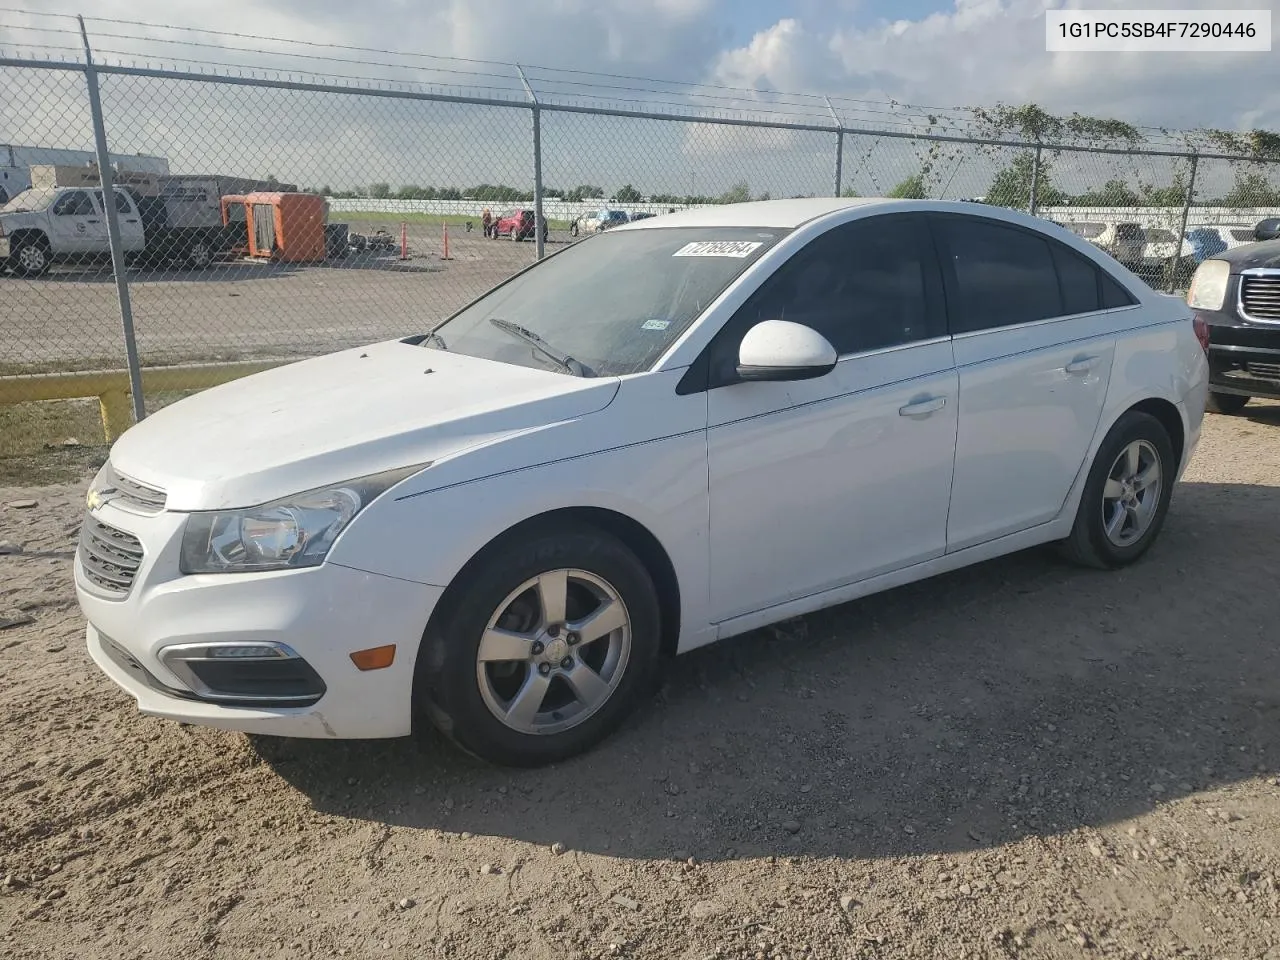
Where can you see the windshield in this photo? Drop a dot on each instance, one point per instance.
(28, 201)
(614, 302)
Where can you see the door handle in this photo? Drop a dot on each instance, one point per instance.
(1081, 365)
(91, 221)
(923, 407)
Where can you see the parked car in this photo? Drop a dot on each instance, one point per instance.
(1237, 295)
(663, 436)
(640, 216)
(518, 225)
(1124, 241)
(602, 220)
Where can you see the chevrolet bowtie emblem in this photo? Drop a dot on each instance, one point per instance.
(97, 498)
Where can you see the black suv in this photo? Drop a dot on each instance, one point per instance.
(1237, 294)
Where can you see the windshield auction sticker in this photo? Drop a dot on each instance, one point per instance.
(718, 248)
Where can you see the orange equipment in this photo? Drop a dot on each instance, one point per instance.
(235, 215)
(286, 226)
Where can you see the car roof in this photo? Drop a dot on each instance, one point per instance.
(760, 213)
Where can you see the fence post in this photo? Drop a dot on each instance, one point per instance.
(107, 179)
(1172, 279)
(537, 163)
(1035, 182)
(839, 146)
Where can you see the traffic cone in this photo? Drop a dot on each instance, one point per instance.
(404, 240)
(445, 255)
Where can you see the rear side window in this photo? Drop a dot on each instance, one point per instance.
(1000, 275)
(1079, 280)
(1114, 295)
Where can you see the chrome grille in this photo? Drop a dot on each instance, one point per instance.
(1260, 298)
(1267, 371)
(129, 493)
(109, 557)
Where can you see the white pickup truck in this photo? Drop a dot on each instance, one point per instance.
(43, 226)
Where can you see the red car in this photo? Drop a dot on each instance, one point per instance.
(518, 225)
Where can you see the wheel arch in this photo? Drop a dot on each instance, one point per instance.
(633, 534)
(1169, 417)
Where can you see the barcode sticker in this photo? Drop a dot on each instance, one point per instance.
(718, 248)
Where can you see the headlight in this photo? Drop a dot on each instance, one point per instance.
(1208, 289)
(294, 532)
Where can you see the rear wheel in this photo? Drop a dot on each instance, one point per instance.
(199, 255)
(1126, 495)
(544, 651)
(1225, 403)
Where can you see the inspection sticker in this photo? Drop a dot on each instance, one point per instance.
(718, 248)
(655, 324)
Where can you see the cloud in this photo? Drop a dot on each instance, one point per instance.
(979, 52)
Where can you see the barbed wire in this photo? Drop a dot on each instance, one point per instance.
(553, 86)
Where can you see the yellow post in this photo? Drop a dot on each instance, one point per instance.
(117, 416)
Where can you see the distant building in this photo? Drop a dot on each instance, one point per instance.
(16, 162)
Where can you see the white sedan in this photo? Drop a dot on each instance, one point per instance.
(673, 432)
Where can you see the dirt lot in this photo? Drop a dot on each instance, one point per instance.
(244, 308)
(1018, 760)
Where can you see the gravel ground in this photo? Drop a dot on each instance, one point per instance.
(249, 309)
(1020, 759)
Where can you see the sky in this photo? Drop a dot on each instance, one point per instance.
(870, 55)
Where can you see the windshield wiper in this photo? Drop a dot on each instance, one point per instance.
(576, 367)
(435, 338)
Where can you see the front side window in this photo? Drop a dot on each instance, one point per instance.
(76, 204)
(614, 302)
(865, 285)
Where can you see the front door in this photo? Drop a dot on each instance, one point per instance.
(76, 226)
(819, 483)
(1033, 347)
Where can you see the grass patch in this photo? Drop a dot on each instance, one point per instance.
(56, 441)
(388, 220)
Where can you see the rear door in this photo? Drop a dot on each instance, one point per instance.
(1033, 346)
(131, 237)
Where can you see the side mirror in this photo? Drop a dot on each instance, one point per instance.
(1267, 229)
(782, 350)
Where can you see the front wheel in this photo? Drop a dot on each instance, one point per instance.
(1126, 495)
(545, 650)
(1225, 403)
(515, 235)
(31, 258)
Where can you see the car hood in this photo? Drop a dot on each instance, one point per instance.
(1247, 256)
(338, 417)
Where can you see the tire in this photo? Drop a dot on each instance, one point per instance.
(199, 256)
(31, 258)
(1089, 543)
(515, 235)
(474, 703)
(1225, 403)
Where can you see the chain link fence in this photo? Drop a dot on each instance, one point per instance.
(261, 218)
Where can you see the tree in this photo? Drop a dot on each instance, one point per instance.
(912, 188)
(1114, 193)
(380, 191)
(1174, 195)
(584, 191)
(739, 193)
(849, 192)
(1250, 190)
(628, 194)
(1011, 187)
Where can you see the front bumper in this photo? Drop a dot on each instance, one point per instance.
(1246, 371)
(323, 613)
